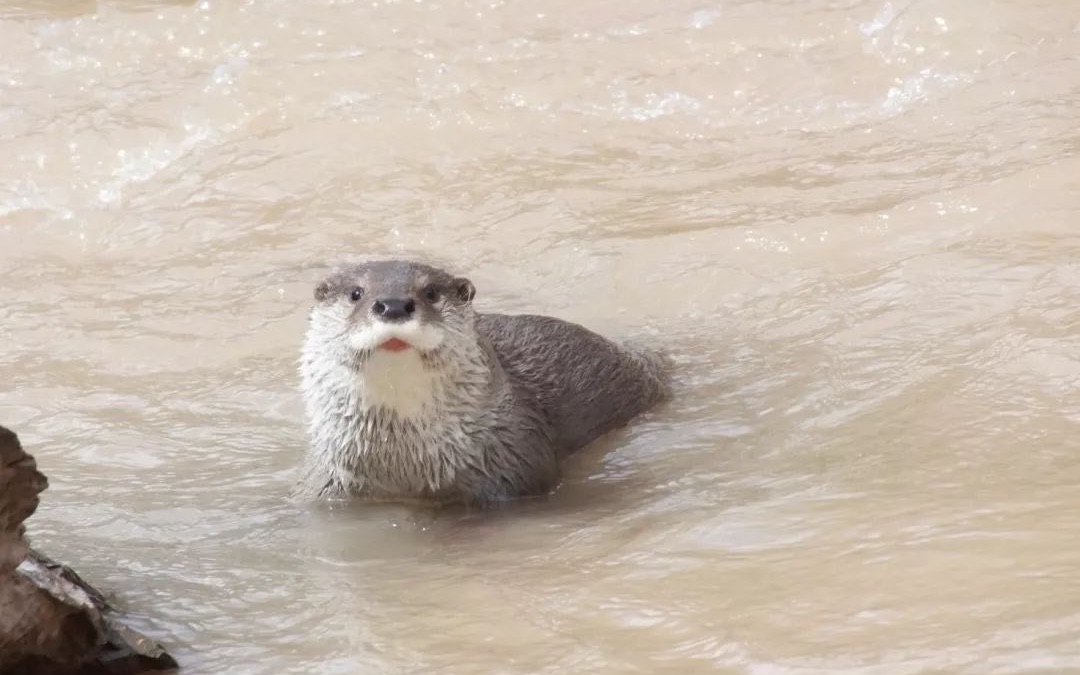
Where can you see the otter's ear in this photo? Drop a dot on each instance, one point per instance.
(465, 289)
(322, 291)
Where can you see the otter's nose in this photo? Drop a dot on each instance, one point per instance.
(390, 309)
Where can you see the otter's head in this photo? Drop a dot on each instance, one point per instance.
(393, 306)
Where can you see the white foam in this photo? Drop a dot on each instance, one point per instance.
(656, 105)
(142, 164)
(703, 18)
(880, 22)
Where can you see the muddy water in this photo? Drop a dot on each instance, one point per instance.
(853, 223)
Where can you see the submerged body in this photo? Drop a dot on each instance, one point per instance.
(412, 394)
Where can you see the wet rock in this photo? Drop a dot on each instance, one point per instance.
(51, 621)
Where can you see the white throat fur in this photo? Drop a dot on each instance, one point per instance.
(399, 382)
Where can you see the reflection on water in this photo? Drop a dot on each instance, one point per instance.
(852, 224)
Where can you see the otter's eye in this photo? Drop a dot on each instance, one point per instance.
(356, 294)
(431, 293)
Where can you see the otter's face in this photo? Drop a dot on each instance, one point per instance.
(394, 306)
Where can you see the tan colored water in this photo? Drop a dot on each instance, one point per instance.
(854, 223)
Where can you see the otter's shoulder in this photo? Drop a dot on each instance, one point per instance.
(534, 339)
(536, 326)
(564, 345)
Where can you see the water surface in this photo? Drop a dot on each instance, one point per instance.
(854, 224)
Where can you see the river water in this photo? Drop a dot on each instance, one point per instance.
(854, 225)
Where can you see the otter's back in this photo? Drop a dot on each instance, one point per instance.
(587, 384)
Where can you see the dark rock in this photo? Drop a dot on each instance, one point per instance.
(51, 621)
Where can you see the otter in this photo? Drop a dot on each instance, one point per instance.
(412, 395)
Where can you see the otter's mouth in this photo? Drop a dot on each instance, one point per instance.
(412, 335)
(395, 345)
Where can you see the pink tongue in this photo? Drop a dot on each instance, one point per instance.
(395, 345)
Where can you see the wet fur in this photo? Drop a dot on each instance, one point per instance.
(505, 398)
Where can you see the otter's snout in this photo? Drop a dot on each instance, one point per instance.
(394, 309)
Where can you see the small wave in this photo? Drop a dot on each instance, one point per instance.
(142, 164)
(703, 18)
(655, 105)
